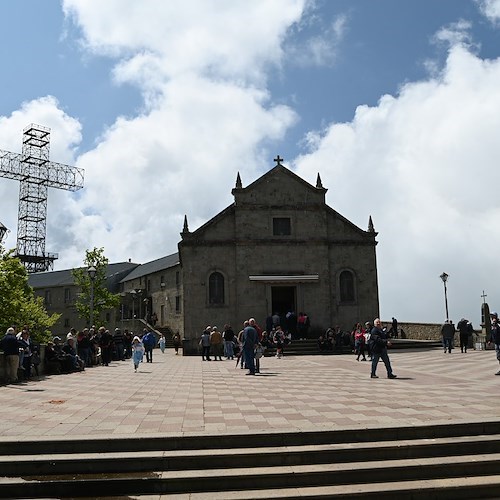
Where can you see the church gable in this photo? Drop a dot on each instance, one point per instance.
(220, 227)
(279, 187)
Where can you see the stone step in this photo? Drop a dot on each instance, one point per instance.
(256, 478)
(206, 459)
(272, 438)
(434, 489)
(389, 462)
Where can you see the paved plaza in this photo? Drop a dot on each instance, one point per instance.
(176, 394)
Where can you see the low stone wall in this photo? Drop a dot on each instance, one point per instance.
(420, 331)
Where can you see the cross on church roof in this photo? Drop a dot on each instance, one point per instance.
(484, 297)
(278, 160)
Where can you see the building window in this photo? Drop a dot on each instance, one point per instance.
(346, 284)
(67, 295)
(148, 285)
(177, 304)
(162, 281)
(282, 226)
(48, 298)
(216, 288)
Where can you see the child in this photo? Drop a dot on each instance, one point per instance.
(137, 352)
(161, 343)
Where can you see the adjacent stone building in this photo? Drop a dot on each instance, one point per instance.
(277, 248)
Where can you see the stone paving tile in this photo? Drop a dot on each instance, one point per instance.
(184, 394)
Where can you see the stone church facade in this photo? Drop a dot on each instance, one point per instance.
(279, 247)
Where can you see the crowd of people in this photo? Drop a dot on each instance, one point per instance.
(230, 345)
(77, 351)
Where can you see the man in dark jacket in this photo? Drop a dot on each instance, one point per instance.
(379, 343)
(463, 328)
(149, 341)
(448, 333)
(495, 338)
(10, 347)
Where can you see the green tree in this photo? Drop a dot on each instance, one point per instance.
(103, 298)
(18, 304)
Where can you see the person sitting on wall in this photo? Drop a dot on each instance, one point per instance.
(65, 361)
(69, 349)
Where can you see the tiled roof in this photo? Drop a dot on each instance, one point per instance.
(153, 267)
(49, 279)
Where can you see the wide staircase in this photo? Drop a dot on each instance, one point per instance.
(310, 346)
(436, 461)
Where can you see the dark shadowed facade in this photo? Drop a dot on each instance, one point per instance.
(277, 248)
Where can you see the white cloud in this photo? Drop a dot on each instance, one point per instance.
(424, 164)
(490, 9)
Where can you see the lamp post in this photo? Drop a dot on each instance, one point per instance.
(444, 277)
(92, 271)
(133, 293)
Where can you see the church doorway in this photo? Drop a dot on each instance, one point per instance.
(283, 299)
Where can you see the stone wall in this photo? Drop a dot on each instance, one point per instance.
(420, 331)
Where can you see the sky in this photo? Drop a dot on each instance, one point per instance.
(395, 103)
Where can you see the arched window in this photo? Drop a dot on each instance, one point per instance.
(216, 288)
(346, 284)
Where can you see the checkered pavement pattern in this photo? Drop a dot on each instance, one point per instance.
(177, 394)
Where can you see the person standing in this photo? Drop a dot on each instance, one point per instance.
(216, 343)
(105, 343)
(250, 340)
(10, 348)
(118, 342)
(395, 328)
(379, 343)
(205, 344)
(495, 338)
(228, 336)
(359, 341)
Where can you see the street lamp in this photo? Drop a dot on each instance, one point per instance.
(444, 277)
(133, 293)
(92, 271)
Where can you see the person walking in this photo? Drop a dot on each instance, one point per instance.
(250, 339)
(176, 339)
(495, 338)
(379, 343)
(149, 342)
(463, 329)
(448, 333)
(137, 352)
(162, 343)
